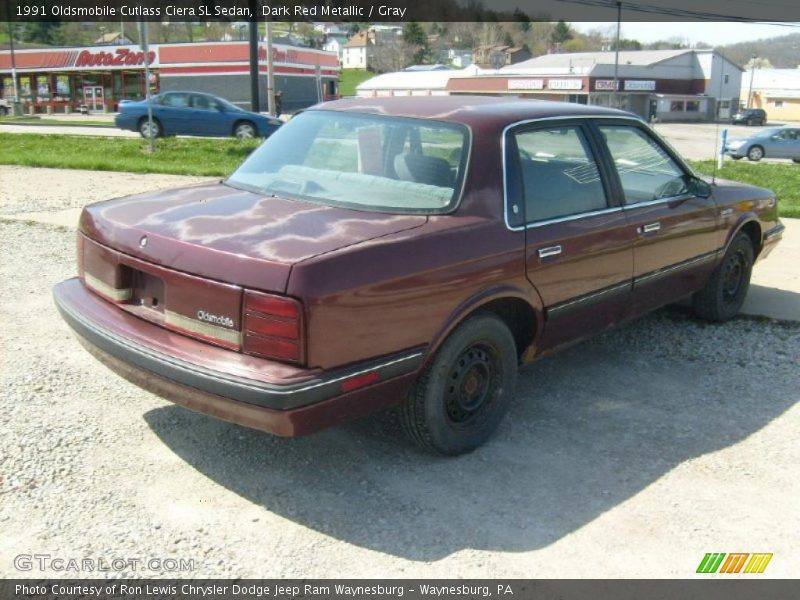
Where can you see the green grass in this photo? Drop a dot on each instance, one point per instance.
(781, 178)
(55, 121)
(211, 157)
(350, 78)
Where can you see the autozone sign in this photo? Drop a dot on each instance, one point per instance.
(121, 57)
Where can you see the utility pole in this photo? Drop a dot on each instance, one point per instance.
(616, 55)
(270, 71)
(145, 51)
(13, 65)
(752, 74)
(255, 104)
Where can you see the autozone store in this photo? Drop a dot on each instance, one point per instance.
(97, 78)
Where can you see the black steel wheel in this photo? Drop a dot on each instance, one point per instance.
(461, 396)
(726, 289)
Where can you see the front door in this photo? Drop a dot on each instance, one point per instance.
(579, 253)
(93, 97)
(676, 232)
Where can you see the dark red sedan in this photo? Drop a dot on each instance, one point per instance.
(406, 251)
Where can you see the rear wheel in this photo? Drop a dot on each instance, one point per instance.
(796, 160)
(144, 128)
(755, 153)
(460, 398)
(725, 291)
(244, 130)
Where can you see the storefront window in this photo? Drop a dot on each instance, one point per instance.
(8, 88)
(676, 106)
(25, 88)
(42, 88)
(62, 88)
(134, 86)
(692, 105)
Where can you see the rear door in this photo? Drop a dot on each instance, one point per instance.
(207, 118)
(579, 253)
(175, 113)
(783, 144)
(676, 233)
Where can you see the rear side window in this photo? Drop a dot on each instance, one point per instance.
(645, 170)
(559, 175)
(175, 100)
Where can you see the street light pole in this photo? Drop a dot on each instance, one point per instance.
(616, 56)
(270, 71)
(752, 74)
(145, 51)
(13, 62)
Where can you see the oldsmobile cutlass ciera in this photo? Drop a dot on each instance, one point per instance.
(406, 251)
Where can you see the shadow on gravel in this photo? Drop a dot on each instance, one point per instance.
(592, 426)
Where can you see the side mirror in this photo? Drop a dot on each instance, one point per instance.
(698, 187)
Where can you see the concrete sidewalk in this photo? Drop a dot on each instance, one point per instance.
(775, 284)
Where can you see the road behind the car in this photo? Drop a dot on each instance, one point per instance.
(631, 455)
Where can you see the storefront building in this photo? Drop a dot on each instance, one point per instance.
(96, 79)
(663, 85)
(775, 90)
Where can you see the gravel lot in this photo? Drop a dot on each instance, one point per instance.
(631, 455)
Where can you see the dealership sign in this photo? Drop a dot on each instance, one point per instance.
(565, 84)
(121, 57)
(526, 84)
(640, 85)
(606, 85)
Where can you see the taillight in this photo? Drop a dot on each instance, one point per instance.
(272, 327)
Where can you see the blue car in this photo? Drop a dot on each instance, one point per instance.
(194, 113)
(774, 142)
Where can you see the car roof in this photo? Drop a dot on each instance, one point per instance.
(470, 110)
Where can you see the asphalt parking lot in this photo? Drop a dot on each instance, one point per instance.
(630, 455)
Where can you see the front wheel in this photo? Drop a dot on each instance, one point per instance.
(244, 131)
(755, 153)
(725, 291)
(460, 398)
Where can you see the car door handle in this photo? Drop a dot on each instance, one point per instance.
(650, 228)
(549, 251)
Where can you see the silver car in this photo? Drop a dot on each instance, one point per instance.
(774, 142)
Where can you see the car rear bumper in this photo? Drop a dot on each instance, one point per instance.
(305, 401)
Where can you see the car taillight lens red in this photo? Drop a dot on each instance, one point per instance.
(273, 327)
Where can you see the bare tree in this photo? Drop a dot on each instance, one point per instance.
(389, 56)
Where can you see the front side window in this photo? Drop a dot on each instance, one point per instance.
(367, 161)
(645, 169)
(559, 175)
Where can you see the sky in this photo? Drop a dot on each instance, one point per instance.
(711, 33)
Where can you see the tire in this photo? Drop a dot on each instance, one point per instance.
(462, 395)
(244, 130)
(755, 153)
(725, 291)
(144, 128)
(796, 160)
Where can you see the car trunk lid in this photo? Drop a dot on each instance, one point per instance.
(183, 258)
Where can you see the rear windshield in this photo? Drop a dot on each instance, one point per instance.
(362, 161)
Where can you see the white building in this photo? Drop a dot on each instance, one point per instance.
(357, 52)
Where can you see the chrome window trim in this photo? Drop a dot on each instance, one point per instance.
(611, 209)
